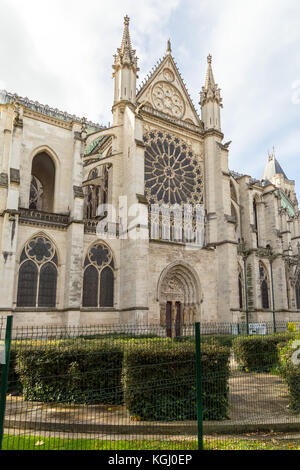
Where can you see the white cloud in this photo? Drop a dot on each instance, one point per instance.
(60, 52)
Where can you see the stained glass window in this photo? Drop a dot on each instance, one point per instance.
(173, 173)
(241, 297)
(37, 274)
(174, 188)
(36, 194)
(264, 286)
(98, 278)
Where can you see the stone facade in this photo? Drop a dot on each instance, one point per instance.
(56, 169)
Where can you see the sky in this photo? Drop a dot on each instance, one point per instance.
(60, 53)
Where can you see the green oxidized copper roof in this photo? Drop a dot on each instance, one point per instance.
(286, 204)
(95, 144)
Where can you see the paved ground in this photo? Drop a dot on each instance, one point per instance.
(257, 402)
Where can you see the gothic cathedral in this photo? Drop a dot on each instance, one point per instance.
(142, 222)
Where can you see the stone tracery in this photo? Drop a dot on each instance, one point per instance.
(166, 98)
(173, 174)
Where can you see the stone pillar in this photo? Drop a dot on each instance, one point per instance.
(13, 134)
(174, 314)
(75, 235)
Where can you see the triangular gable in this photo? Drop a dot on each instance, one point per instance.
(165, 91)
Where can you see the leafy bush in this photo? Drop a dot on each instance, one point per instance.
(290, 371)
(71, 371)
(160, 383)
(259, 353)
(221, 340)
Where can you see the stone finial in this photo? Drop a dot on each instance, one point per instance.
(125, 54)
(210, 91)
(169, 48)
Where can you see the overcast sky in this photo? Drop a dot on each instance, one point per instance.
(60, 53)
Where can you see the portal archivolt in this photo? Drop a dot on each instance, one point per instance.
(179, 296)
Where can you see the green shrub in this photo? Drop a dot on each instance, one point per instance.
(221, 340)
(71, 371)
(258, 353)
(291, 372)
(160, 384)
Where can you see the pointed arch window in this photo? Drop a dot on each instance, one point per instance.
(37, 280)
(264, 286)
(42, 183)
(241, 289)
(255, 217)
(298, 292)
(98, 278)
(96, 192)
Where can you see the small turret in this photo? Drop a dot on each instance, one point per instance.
(210, 100)
(125, 69)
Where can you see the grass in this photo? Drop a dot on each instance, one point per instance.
(53, 443)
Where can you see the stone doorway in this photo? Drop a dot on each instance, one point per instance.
(174, 319)
(179, 298)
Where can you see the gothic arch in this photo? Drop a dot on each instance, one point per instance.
(179, 295)
(98, 276)
(38, 273)
(264, 280)
(241, 287)
(44, 235)
(46, 149)
(44, 179)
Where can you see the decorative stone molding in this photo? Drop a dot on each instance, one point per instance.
(4, 180)
(41, 218)
(167, 99)
(14, 175)
(78, 192)
(8, 98)
(142, 199)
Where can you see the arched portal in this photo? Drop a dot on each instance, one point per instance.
(179, 296)
(42, 183)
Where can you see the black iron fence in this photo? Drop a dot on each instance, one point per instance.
(124, 387)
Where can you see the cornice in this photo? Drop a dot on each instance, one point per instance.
(167, 123)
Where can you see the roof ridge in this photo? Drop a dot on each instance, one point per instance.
(46, 109)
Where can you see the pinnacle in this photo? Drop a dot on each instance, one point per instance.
(210, 91)
(125, 54)
(169, 47)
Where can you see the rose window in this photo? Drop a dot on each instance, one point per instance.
(172, 173)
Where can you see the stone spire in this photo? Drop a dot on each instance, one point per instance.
(126, 56)
(273, 168)
(210, 100)
(211, 91)
(125, 69)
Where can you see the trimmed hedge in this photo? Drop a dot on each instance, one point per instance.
(291, 373)
(160, 384)
(221, 340)
(259, 353)
(71, 371)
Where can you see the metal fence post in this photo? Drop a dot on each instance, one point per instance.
(4, 375)
(199, 387)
